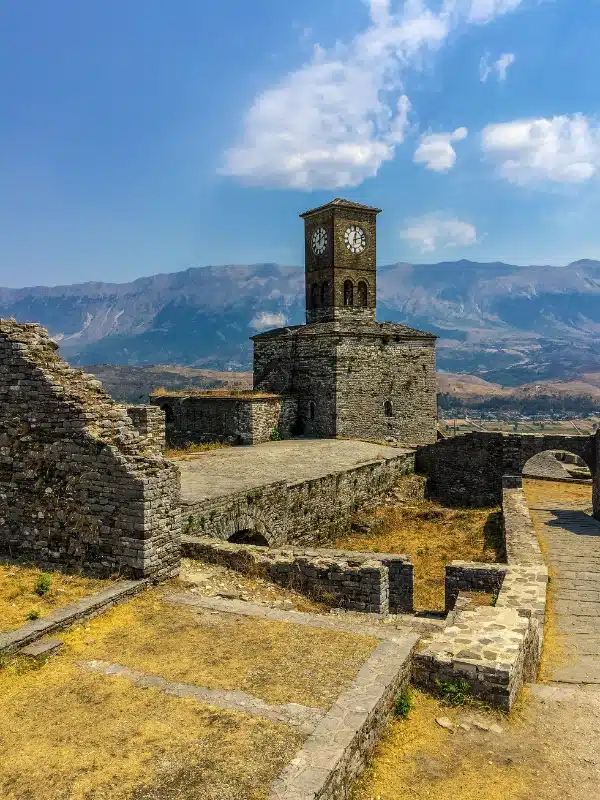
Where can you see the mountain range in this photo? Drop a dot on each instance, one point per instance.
(507, 324)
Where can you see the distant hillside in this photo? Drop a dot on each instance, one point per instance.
(508, 325)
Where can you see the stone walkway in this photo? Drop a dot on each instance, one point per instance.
(572, 545)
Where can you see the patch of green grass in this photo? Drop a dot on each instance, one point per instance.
(43, 584)
(33, 614)
(453, 693)
(403, 704)
(276, 435)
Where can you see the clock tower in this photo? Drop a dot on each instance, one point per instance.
(340, 261)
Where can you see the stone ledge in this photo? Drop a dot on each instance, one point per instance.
(341, 745)
(64, 617)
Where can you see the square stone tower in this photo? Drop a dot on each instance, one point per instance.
(354, 377)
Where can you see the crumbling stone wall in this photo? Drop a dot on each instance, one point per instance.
(149, 422)
(79, 485)
(230, 419)
(371, 582)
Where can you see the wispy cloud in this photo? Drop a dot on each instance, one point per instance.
(564, 149)
(435, 149)
(266, 319)
(434, 231)
(336, 120)
(498, 68)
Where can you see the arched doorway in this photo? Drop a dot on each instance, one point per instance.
(558, 478)
(248, 536)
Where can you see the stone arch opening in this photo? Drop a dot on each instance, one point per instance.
(248, 536)
(388, 409)
(362, 294)
(557, 465)
(348, 293)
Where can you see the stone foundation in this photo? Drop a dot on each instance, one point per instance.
(370, 582)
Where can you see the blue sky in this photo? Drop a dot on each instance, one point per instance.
(143, 137)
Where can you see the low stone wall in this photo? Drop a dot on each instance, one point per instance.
(470, 576)
(234, 418)
(307, 512)
(370, 582)
(520, 538)
(149, 422)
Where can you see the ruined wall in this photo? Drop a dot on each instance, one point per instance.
(79, 485)
(149, 422)
(227, 419)
(373, 370)
(305, 512)
(467, 470)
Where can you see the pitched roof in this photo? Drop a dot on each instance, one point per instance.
(339, 202)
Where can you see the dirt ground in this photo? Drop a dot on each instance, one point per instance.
(20, 602)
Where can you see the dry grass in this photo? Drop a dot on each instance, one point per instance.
(18, 598)
(237, 394)
(76, 736)
(432, 535)
(416, 759)
(192, 449)
(276, 661)
(544, 492)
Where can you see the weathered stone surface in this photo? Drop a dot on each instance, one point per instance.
(42, 648)
(370, 582)
(79, 484)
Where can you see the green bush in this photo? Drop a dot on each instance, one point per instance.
(33, 614)
(276, 435)
(453, 693)
(403, 704)
(43, 584)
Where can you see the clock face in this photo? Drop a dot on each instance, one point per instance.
(355, 239)
(319, 241)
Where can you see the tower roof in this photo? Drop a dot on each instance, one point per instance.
(339, 202)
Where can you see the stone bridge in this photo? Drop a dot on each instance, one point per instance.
(467, 470)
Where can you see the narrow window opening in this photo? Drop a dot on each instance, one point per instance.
(387, 408)
(169, 415)
(348, 293)
(362, 294)
(314, 295)
(311, 410)
(325, 293)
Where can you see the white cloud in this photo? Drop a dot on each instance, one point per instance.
(564, 149)
(337, 119)
(435, 149)
(265, 319)
(499, 68)
(433, 231)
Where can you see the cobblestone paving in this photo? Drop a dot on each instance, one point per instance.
(572, 540)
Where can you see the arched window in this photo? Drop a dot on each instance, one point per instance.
(169, 415)
(348, 293)
(311, 409)
(387, 408)
(362, 294)
(325, 293)
(314, 295)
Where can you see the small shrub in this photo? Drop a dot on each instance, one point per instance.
(453, 693)
(403, 704)
(43, 584)
(275, 435)
(33, 614)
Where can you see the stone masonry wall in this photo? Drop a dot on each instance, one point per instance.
(467, 470)
(306, 512)
(375, 369)
(375, 582)
(149, 422)
(228, 419)
(79, 485)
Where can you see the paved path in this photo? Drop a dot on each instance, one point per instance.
(572, 544)
(235, 469)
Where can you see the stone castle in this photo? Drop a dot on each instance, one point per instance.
(342, 374)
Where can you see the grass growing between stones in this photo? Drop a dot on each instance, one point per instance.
(277, 661)
(432, 535)
(26, 589)
(73, 735)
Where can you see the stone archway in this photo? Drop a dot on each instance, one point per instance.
(248, 536)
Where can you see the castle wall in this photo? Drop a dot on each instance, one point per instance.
(374, 370)
(149, 422)
(467, 470)
(226, 419)
(79, 485)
